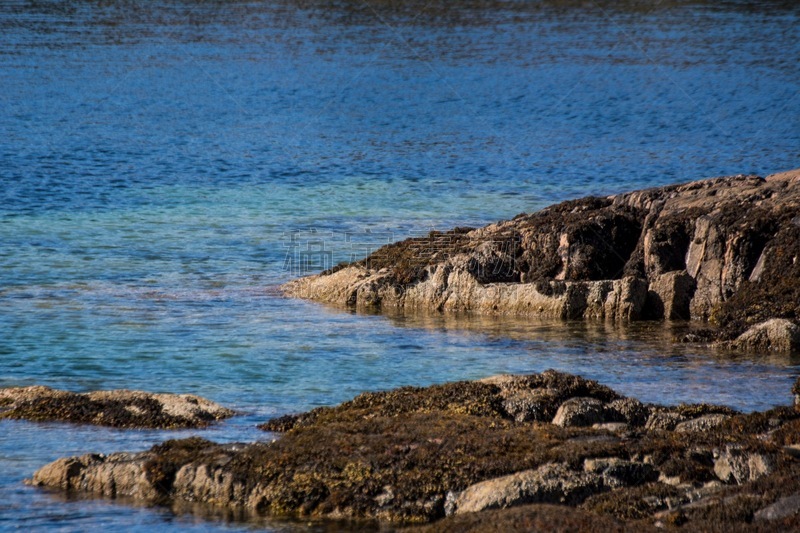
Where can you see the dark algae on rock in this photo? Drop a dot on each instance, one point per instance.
(722, 250)
(117, 408)
(496, 454)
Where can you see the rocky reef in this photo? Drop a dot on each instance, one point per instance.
(116, 408)
(551, 451)
(723, 250)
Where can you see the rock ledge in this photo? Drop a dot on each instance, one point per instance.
(117, 408)
(724, 250)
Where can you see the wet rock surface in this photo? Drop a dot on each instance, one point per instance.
(116, 408)
(480, 455)
(726, 250)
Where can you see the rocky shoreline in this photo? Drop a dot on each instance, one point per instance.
(548, 451)
(552, 449)
(725, 251)
(116, 408)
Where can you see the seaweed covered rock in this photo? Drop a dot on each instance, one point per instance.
(725, 250)
(415, 455)
(702, 423)
(533, 517)
(521, 398)
(117, 408)
(540, 396)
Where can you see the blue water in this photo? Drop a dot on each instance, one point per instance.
(165, 165)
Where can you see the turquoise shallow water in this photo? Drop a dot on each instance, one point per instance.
(165, 165)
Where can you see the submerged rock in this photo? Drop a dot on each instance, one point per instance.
(117, 408)
(723, 249)
(415, 455)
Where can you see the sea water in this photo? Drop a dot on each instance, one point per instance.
(165, 165)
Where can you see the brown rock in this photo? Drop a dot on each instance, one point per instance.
(670, 295)
(715, 249)
(119, 474)
(539, 396)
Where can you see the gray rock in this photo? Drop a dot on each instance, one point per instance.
(777, 335)
(550, 483)
(579, 412)
(118, 474)
(129, 475)
(384, 497)
(629, 410)
(626, 301)
(664, 420)
(703, 423)
(617, 472)
(735, 465)
(783, 508)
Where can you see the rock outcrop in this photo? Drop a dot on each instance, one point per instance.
(117, 408)
(451, 452)
(725, 250)
(776, 334)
